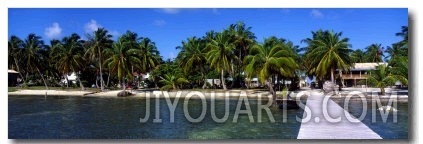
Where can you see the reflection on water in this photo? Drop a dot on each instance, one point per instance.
(83, 117)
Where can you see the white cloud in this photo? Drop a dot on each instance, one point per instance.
(159, 22)
(316, 13)
(171, 10)
(92, 26)
(54, 31)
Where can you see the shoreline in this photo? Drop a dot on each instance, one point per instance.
(219, 94)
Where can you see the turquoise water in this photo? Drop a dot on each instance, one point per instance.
(388, 129)
(33, 117)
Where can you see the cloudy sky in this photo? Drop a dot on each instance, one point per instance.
(168, 27)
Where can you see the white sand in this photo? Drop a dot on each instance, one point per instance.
(172, 94)
(113, 93)
(49, 92)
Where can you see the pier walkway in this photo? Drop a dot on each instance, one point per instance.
(319, 126)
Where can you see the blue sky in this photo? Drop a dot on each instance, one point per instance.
(168, 27)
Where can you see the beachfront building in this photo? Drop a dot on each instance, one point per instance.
(12, 77)
(357, 75)
(140, 79)
(70, 77)
(214, 82)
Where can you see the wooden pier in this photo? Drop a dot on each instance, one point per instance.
(319, 127)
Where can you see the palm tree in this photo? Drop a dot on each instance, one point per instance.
(395, 51)
(357, 56)
(149, 55)
(172, 80)
(97, 42)
(374, 53)
(243, 39)
(382, 76)
(270, 59)
(120, 59)
(15, 45)
(398, 54)
(327, 51)
(193, 57)
(404, 35)
(221, 54)
(69, 56)
(32, 48)
(399, 66)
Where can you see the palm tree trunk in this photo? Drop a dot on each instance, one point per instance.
(205, 81)
(248, 82)
(213, 85)
(223, 80)
(239, 68)
(101, 72)
(119, 83)
(382, 91)
(96, 81)
(204, 77)
(26, 77)
(232, 75)
(42, 77)
(341, 79)
(331, 74)
(123, 83)
(204, 84)
(80, 83)
(67, 80)
(174, 87)
(17, 68)
(108, 78)
(271, 90)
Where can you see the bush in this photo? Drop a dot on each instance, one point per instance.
(284, 93)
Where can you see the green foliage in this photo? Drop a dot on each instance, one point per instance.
(172, 79)
(220, 55)
(373, 53)
(382, 77)
(149, 55)
(398, 55)
(232, 52)
(68, 55)
(273, 57)
(326, 51)
(284, 93)
(192, 59)
(357, 56)
(121, 58)
(97, 42)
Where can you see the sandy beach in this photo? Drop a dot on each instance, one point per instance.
(207, 93)
(137, 93)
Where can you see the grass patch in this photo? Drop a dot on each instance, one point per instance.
(12, 89)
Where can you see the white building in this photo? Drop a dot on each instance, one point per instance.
(71, 77)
